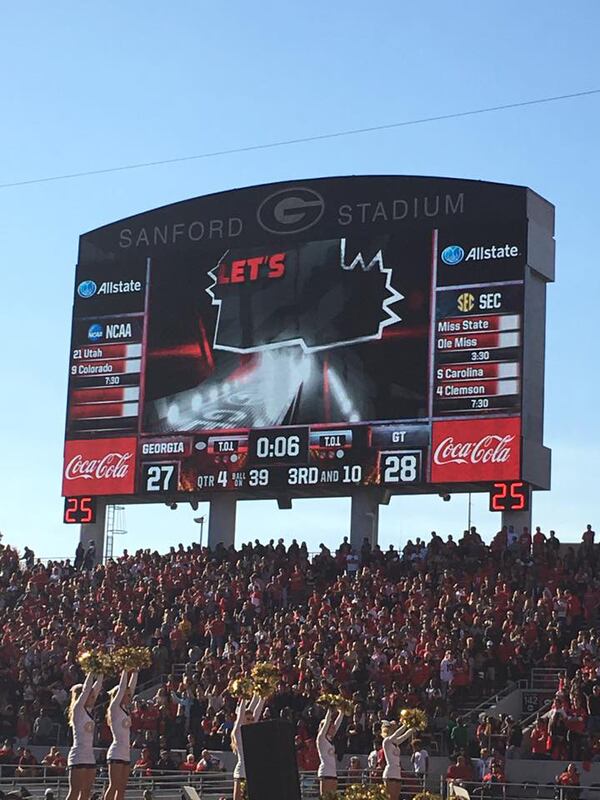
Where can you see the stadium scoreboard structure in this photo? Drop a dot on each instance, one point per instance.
(311, 338)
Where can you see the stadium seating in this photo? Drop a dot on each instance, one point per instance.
(433, 626)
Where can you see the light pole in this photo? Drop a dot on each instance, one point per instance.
(200, 521)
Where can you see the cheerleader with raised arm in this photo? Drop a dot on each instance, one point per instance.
(81, 760)
(118, 755)
(392, 774)
(327, 772)
(247, 713)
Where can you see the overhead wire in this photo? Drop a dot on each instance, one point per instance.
(301, 140)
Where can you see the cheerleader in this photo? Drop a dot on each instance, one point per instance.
(392, 774)
(246, 714)
(327, 772)
(118, 755)
(81, 760)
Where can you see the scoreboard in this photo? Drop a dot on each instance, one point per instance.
(311, 337)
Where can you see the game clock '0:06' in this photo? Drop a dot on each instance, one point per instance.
(284, 445)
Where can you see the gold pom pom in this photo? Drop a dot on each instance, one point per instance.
(358, 791)
(336, 701)
(263, 669)
(414, 718)
(327, 699)
(345, 706)
(93, 661)
(131, 659)
(265, 678)
(242, 687)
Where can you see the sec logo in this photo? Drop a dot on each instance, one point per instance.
(465, 302)
(290, 210)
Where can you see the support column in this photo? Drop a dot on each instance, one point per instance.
(364, 517)
(94, 532)
(518, 519)
(221, 520)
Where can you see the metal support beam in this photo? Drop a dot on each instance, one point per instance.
(364, 517)
(94, 532)
(221, 520)
(518, 519)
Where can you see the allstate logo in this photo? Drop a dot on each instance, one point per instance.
(453, 254)
(95, 332)
(87, 289)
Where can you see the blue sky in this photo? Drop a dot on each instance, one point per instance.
(91, 86)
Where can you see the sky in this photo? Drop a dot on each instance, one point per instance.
(90, 86)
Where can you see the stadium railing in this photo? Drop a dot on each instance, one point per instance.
(527, 790)
(209, 785)
(545, 678)
(486, 706)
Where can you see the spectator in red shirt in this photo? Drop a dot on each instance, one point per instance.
(460, 771)
(216, 630)
(569, 782)
(576, 728)
(525, 543)
(145, 763)
(55, 763)
(494, 781)
(8, 758)
(26, 767)
(538, 739)
(189, 764)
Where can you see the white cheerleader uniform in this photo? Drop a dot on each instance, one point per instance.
(81, 753)
(392, 770)
(256, 706)
(325, 748)
(390, 746)
(120, 724)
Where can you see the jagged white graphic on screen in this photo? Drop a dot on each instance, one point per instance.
(394, 294)
(375, 264)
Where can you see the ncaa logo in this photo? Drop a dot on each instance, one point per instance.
(95, 332)
(453, 254)
(87, 289)
(290, 210)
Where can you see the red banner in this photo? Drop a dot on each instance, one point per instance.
(99, 466)
(476, 450)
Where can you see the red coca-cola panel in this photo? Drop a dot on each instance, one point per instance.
(99, 466)
(476, 450)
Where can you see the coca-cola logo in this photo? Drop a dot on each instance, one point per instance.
(475, 450)
(491, 449)
(100, 466)
(111, 465)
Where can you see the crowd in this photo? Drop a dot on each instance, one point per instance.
(427, 626)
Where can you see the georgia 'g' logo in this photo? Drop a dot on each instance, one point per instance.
(290, 210)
